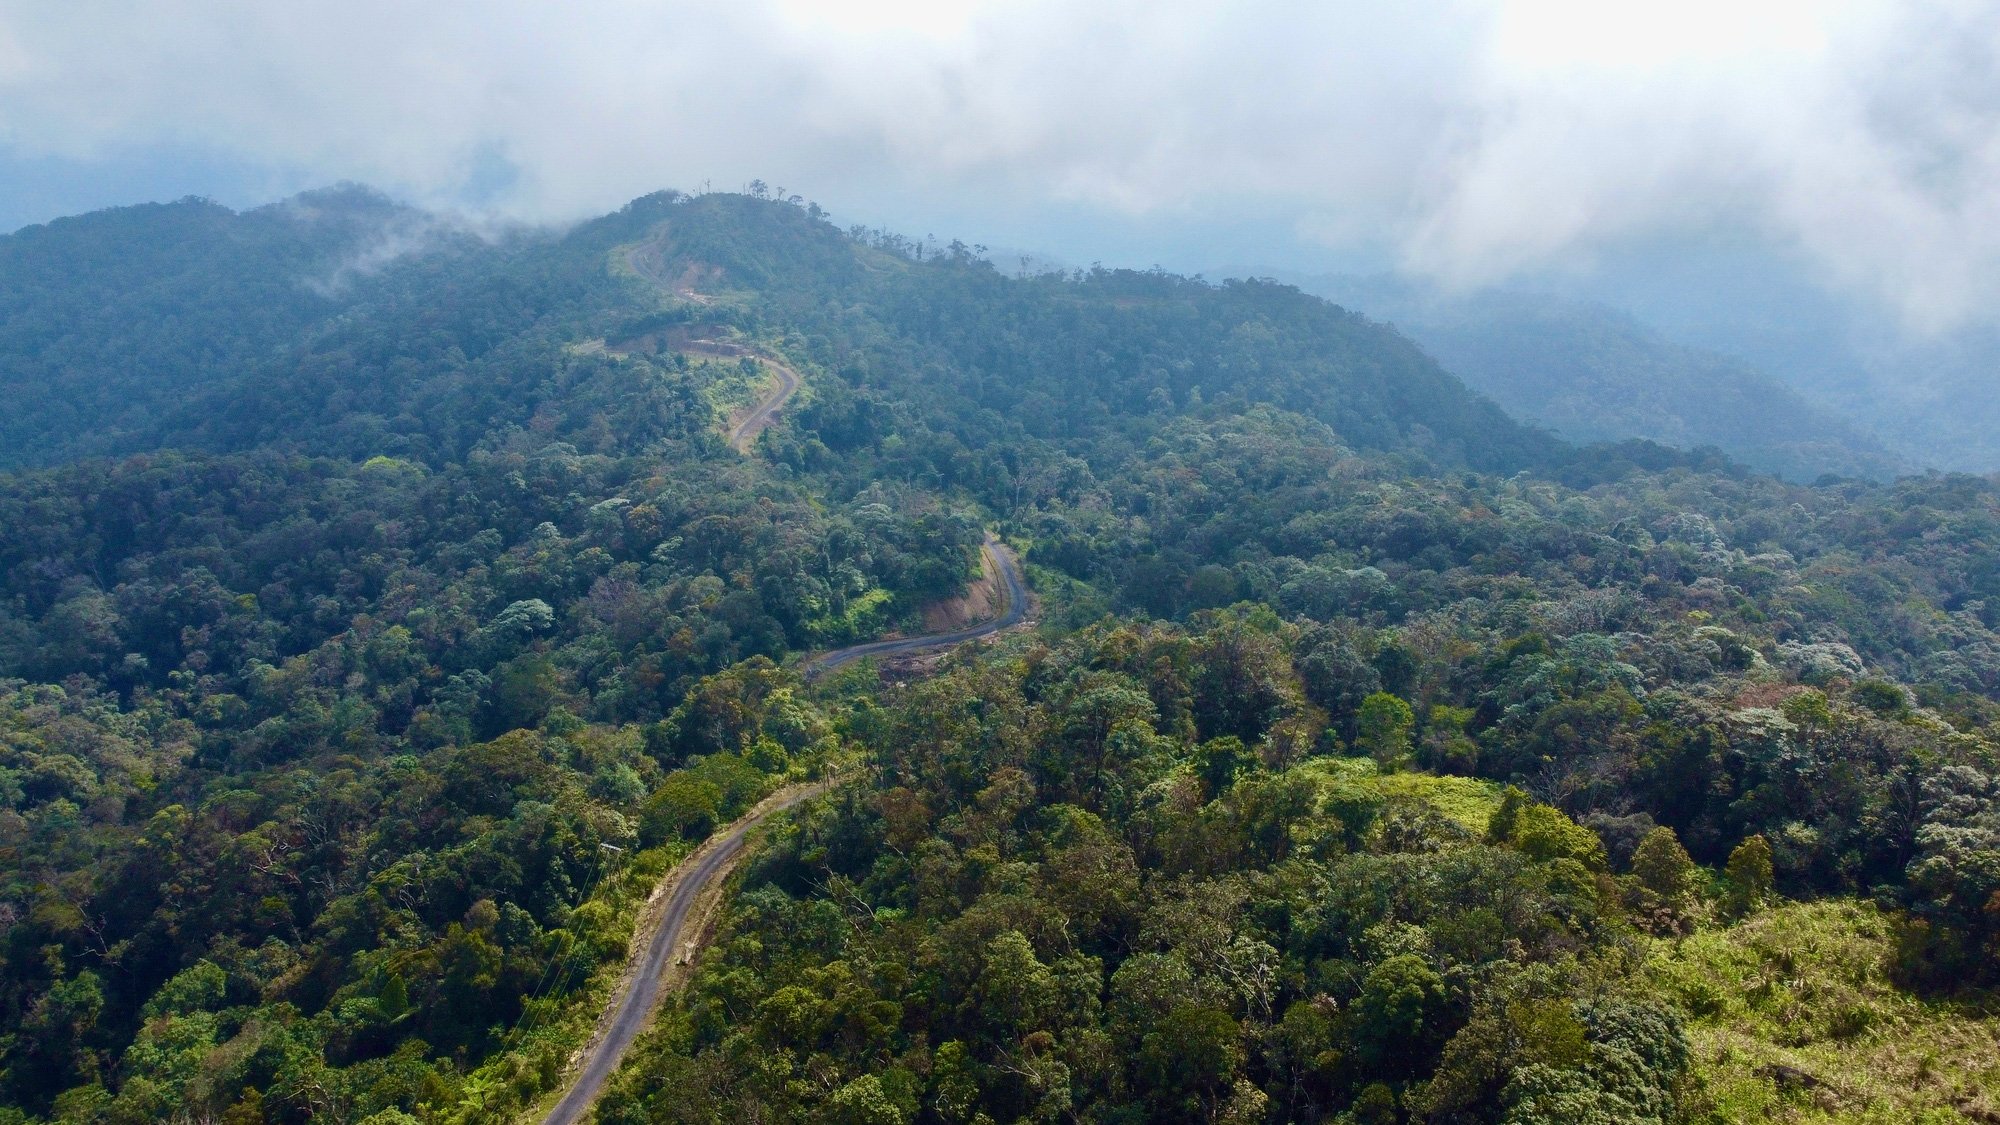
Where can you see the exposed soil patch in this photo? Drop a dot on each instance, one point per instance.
(980, 602)
(649, 260)
(914, 655)
(707, 340)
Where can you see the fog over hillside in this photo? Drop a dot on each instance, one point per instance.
(1592, 373)
(737, 561)
(1842, 151)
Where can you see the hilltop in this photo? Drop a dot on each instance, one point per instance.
(385, 617)
(188, 326)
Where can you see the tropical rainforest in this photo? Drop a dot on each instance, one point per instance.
(383, 614)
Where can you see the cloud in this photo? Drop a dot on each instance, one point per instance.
(1477, 139)
(1866, 136)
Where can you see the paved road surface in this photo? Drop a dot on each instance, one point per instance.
(765, 411)
(644, 260)
(635, 1009)
(1016, 593)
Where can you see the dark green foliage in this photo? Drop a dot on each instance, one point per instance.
(109, 319)
(1020, 943)
(319, 707)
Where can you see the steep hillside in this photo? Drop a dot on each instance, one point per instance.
(1592, 374)
(457, 340)
(1925, 388)
(111, 318)
(1372, 757)
(1061, 355)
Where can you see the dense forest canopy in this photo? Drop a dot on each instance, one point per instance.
(382, 613)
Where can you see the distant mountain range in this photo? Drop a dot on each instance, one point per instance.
(1934, 398)
(1592, 373)
(341, 323)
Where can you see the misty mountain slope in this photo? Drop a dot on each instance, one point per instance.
(346, 729)
(1593, 374)
(1920, 380)
(1054, 356)
(1935, 399)
(109, 319)
(458, 344)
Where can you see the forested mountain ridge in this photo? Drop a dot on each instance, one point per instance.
(350, 326)
(106, 319)
(1372, 760)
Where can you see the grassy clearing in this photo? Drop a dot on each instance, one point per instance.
(1468, 801)
(735, 385)
(865, 616)
(1793, 1018)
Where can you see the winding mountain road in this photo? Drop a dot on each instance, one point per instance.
(633, 1010)
(766, 411)
(646, 260)
(1016, 610)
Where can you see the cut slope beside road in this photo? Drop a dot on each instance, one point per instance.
(705, 870)
(646, 260)
(1015, 610)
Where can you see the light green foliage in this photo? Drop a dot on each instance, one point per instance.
(866, 1101)
(200, 987)
(322, 714)
(1221, 759)
(1466, 801)
(1663, 867)
(1394, 1017)
(1665, 882)
(1383, 730)
(1543, 833)
(683, 806)
(1748, 875)
(1446, 746)
(1795, 1016)
(1014, 989)
(1357, 784)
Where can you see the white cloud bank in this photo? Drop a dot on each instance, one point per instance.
(1479, 138)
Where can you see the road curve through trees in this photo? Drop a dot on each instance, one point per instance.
(634, 1009)
(645, 260)
(766, 410)
(1016, 609)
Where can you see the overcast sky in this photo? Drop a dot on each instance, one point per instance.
(1462, 140)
